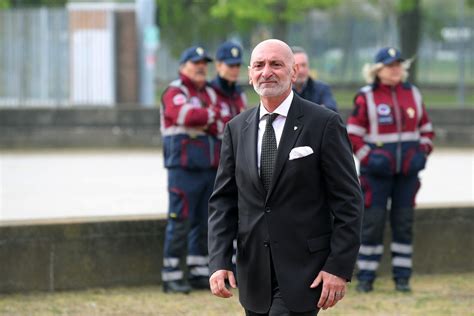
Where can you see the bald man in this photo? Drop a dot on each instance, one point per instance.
(287, 187)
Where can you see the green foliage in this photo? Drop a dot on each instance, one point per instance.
(268, 11)
(184, 23)
(4, 4)
(407, 5)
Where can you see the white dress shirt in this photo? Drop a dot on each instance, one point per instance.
(277, 124)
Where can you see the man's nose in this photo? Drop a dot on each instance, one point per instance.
(267, 71)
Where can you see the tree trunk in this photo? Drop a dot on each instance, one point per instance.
(280, 29)
(280, 26)
(409, 25)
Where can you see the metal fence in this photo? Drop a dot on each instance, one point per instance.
(34, 57)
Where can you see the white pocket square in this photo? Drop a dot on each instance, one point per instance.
(300, 152)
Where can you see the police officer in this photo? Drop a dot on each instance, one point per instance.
(306, 87)
(191, 123)
(228, 61)
(391, 135)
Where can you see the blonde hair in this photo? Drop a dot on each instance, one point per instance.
(370, 71)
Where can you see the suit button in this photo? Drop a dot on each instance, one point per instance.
(266, 244)
(268, 210)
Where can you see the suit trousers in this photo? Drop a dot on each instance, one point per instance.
(278, 306)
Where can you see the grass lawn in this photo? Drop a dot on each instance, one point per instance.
(432, 295)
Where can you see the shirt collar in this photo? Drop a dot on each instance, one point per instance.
(282, 109)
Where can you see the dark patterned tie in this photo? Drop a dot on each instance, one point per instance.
(269, 152)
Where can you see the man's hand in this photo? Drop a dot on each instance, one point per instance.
(334, 289)
(217, 283)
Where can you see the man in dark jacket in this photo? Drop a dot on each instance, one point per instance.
(306, 87)
(287, 187)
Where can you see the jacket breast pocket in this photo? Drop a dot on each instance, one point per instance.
(319, 243)
(304, 163)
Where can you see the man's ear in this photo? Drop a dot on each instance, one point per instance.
(295, 69)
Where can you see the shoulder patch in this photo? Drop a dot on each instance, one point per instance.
(179, 99)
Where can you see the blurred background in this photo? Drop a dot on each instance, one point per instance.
(67, 53)
(80, 87)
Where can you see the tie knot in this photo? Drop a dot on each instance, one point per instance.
(271, 117)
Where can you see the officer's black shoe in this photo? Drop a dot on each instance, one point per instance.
(365, 287)
(200, 283)
(402, 285)
(178, 286)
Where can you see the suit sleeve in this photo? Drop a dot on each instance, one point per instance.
(223, 213)
(344, 198)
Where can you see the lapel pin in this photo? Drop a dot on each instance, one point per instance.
(295, 128)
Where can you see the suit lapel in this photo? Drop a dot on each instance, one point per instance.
(291, 131)
(250, 134)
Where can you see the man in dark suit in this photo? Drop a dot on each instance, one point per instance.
(287, 186)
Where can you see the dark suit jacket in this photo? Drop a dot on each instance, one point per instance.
(318, 92)
(309, 220)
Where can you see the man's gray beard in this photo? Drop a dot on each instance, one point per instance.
(271, 92)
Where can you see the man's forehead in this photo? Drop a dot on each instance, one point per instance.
(270, 52)
(268, 55)
(264, 58)
(300, 56)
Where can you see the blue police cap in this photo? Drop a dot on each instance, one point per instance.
(388, 55)
(229, 53)
(194, 54)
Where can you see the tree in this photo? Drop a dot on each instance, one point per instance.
(276, 13)
(409, 26)
(184, 23)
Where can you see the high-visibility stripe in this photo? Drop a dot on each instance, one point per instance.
(401, 248)
(183, 111)
(392, 137)
(210, 116)
(372, 111)
(426, 128)
(401, 262)
(212, 94)
(371, 250)
(170, 262)
(197, 260)
(171, 276)
(177, 130)
(356, 130)
(244, 100)
(418, 101)
(199, 271)
(426, 140)
(179, 84)
(362, 152)
(367, 265)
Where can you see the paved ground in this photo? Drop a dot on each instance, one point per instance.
(65, 184)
